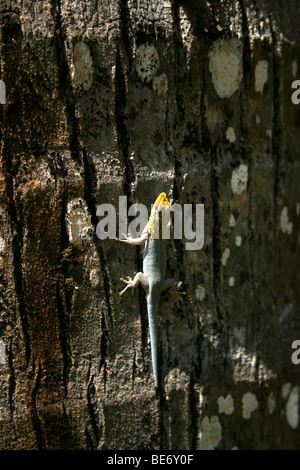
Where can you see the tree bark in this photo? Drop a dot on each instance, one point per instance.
(132, 98)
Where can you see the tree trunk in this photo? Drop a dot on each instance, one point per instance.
(132, 98)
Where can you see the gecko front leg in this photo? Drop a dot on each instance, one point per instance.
(134, 241)
(139, 278)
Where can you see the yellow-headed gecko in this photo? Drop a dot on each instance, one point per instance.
(152, 278)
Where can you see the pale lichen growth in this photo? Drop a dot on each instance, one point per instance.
(285, 225)
(231, 281)
(239, 179)
(225, 65)
(2, 352)
(231, 221)
(160, 84)
(78, 223)
(2, 245)
(146, 62)
(225, 256)
(94, 276)
(238, 240)
(200, 293)
(210, 434)
(2, 250)
(226, 405)
(230, 134)
(292, 408)
(250, 404)
(82, 67)
(261, 75)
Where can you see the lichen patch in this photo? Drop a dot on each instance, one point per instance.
(146, 62)
(210, 434)
(292, 408)
(82, 69)
(78, 223)
(225, 256)
(160, 85)
(250, 404)
(238, 240)
(226, 404)
(225, 65)
(285, 225)
(232, 221)
(261, 75)
(230, 134)
(200, 293)
(239, 179)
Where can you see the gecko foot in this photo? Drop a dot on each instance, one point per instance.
(139, 278)
(130, 285)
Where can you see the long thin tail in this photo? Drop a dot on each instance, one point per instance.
(153, 326)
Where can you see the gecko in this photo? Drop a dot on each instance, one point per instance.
(152, 279)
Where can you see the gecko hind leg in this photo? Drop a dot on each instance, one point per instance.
(139, 278)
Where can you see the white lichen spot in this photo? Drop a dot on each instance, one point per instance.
(160, 84)
(269, 133)
(225, 256)
(231, 221)
(146, 62)
(2, 250)
(94, 276)
(230, 134)
(225, 65)
(257, 119)
(285, 225)
(231, 281)
(239, 179)
(238, 240)
(285, 390)
(82, 67)
(292, 408)
(210, 434)
(2, 352)
(271, 403)
(235, 448)
(294, 68)
(250, 404)
(200, 293)
(226, 405)
(2, 245)
(78, 223)
(261, 75)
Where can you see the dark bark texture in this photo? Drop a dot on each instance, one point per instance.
(132, 98)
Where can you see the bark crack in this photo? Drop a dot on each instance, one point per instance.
(65, 85)
(35, 417)
(97, 431)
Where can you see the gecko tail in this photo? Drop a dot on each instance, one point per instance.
(153, 326)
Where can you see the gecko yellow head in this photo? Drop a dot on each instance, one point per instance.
(161, 206)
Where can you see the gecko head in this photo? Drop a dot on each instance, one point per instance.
(160, 207)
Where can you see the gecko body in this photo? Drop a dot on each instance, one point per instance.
(154, 268)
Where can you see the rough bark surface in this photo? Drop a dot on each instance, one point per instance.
(134, 97)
